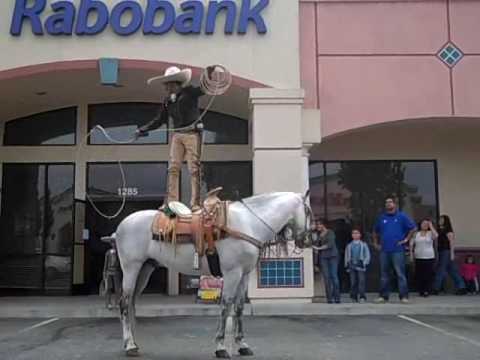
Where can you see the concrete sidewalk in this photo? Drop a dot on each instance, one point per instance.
(164, 306)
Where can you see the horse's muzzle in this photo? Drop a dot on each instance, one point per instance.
(304, 240)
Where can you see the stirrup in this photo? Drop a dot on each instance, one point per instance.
(196, 261)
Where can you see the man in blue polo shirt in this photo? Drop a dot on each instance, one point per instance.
(394, 229)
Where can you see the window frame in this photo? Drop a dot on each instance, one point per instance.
(90, 127)
(435, 172)
(129, 162)
(246, 141)
(44, 254)
(27, 118)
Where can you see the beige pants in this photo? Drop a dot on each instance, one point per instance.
(184, 146)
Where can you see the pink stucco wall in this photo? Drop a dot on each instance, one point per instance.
(376, 61)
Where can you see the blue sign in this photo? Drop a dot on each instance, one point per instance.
(194, 17)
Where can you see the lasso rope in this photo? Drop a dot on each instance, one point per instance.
(213, 87)
(122, 173)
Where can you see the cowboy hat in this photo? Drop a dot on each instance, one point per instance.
(173, 74)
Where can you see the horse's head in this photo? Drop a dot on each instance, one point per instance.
(301, 223)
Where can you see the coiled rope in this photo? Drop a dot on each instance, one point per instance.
(221, 82)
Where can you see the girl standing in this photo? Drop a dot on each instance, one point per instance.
(446, 257)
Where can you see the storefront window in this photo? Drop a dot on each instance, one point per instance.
(56, 127)
(224, 129)
(36, 224)
(317, 189)
(234, 177)
(122, 119)
(145, 188)
(143, 181)
(354, 194)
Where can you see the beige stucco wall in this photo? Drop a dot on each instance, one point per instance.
(453, 143)
(249, 56)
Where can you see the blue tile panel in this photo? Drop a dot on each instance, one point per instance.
(280, 273)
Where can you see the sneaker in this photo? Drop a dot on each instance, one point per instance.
(461, 292)
(363, 300)
(337, 301)
(404, 301)
(380, 300)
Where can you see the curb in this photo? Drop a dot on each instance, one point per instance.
(250, 310)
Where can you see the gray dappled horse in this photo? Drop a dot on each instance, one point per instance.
(260, 217)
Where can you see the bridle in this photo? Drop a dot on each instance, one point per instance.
(268, 243)
(275, 241)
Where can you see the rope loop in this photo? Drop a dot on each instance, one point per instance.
(220, 82)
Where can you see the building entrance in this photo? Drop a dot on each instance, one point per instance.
(95, 249)
(144, 188)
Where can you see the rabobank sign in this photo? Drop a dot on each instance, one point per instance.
(126, 17)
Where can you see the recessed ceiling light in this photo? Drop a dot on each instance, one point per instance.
(41, 93)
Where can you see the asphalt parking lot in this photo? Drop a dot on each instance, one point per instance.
(273, 338)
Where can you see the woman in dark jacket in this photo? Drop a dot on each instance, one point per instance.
(328, 258)
(446, 257)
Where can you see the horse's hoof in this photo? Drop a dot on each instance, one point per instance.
(133, 352)
(245, 352)
(222, 354)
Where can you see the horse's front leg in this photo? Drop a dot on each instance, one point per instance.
(226, 310)
(243, 348)
(230, 287)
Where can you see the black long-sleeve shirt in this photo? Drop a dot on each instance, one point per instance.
(183, 111)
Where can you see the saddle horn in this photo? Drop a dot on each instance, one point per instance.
(214, 192)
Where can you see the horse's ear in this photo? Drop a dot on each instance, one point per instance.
(307, 194)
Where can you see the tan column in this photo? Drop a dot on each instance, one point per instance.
(280, 163)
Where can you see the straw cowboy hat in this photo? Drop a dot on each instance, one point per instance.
(174, 74)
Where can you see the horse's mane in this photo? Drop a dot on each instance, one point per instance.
(266, 203)
(261, 199)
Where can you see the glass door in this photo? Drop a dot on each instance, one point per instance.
(36, 241)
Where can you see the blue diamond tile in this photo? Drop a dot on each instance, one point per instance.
(450, 55)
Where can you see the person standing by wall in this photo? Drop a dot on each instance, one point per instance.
(357, 258)
(446, 258)
(111, 277)
(328, 256)
(393, 229)
(423, 252)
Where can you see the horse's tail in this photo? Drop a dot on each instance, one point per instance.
(110, 238)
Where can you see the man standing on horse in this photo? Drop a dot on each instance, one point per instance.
(180, 111)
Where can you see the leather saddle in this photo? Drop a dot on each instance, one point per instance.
(201, 228)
